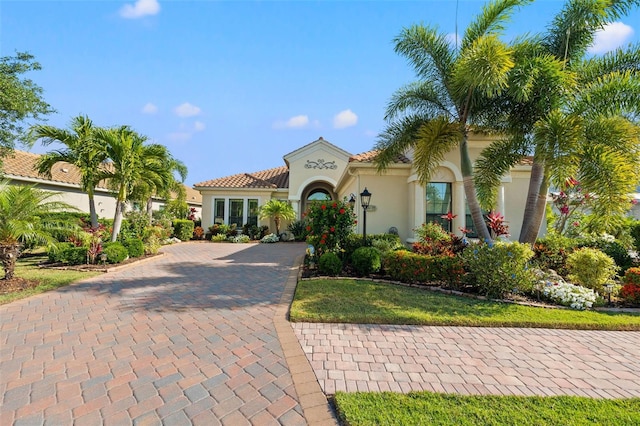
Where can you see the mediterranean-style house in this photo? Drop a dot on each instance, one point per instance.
(19, 168)
(321, 170)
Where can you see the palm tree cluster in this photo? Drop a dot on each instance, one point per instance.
(132, 168)
(576, 115)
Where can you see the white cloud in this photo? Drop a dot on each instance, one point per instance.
(186, 110)
(199, 126)
(346, 118)
(452, 38)
(139, 9)
(296, 122)
(611, 37)
(149, 108)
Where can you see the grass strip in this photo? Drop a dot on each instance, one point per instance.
(49, 279)
(366, 302)
(428, 408)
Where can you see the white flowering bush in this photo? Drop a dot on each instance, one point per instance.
(573, 296)
(270, 238)
(240, 239)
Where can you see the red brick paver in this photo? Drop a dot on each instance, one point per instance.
(503, 361)
(185, 339)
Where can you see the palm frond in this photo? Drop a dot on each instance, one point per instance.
(396, 139)
(423, 98)
(491, 20)
(615, 93)
(493, 163)
(428, 51)
(434, 139)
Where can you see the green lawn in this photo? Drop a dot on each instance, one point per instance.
(366, 302)
(49, 279)
(426, 408)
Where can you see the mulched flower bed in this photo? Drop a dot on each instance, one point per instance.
(98, 267)
(16, 284)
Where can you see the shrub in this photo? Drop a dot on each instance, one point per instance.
(573, 296)
(58, 253)
(299, 230)
(198, 233)
(183, 229)
(219, 238)
(499, 268)
(431, 232)
(634, 231)
(151, 238)
(329, 264)
(434, 240)
(591, 268)
(74, 255)
(408, 267)
(134, 246)
(551, 252)
(115, 252)
(366, 260)
(630, 291)
(613, 249)
(137, 222)
(271, 238)
(240, 239)
(329, 223)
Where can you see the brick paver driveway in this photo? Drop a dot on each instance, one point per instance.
(185, 339)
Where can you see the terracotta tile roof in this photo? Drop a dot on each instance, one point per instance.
(22, 164)
(271, 178)
(369, 156)
(526, 161)
(193, 196)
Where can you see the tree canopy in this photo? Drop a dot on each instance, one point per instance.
(20, 101)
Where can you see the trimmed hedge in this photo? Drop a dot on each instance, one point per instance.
(330, 264)
(183, 229)
(134, 246)
(366, 260)
(411, 267)
(59, 254)
(115, 252)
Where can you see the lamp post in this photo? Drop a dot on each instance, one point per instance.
(352, 200)
(608, 288)
(365, 199)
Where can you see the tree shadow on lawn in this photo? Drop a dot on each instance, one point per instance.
(226, 279)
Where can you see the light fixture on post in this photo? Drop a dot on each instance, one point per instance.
(365, 199)
(608, 288)
(352, 200)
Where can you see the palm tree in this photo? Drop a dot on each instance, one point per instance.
(576, 123)
(145, 190)
(21, 211)
(132, 163)
(80, 149)
(433, 115)
(278, 210)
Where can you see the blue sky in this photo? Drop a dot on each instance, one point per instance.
(232, 86)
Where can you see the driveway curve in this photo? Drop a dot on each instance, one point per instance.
(185, 339)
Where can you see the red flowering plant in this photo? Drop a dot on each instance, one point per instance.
(329, 223)
(497, 225)
(630, 290)
(570, 203)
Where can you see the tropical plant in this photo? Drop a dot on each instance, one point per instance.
(574, 114)
(433, 115)
(277, 210)
(330, 224)
(21, 99)
(133, 165)
(591, 268)
(80, 149)
(21, 211)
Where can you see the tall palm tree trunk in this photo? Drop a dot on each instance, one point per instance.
(470, 192)
(539, 211)
(535, 182)
(92, 210)
(117, 221)
(150, 209)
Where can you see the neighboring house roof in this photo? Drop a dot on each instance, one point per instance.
(370, 156)
(277, 178)
(21, 164)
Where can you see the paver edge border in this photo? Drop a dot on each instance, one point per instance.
(313, 401)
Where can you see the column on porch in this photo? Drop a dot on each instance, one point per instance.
(459, 208)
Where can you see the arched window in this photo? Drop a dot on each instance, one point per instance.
(319, 194)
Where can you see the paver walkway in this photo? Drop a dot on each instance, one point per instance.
(466, 360)
(185, 339)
